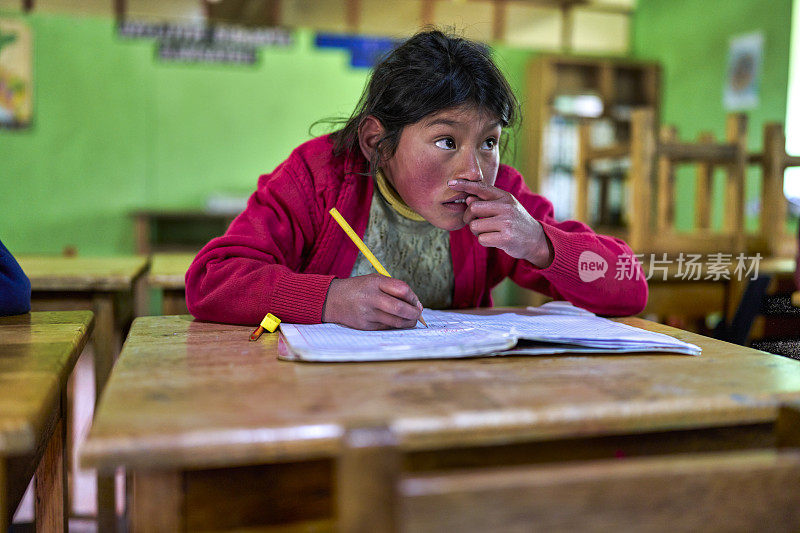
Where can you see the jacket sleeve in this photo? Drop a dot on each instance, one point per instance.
(256, 267)
(596, 272)
(15, 287)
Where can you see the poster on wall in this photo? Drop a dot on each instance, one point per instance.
(16, 74)
(205, 43)
(745, 55)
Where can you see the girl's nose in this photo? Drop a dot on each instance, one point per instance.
(471, 168)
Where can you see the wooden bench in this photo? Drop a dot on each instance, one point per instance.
(735, 490)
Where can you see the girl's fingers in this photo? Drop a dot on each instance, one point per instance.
(372, 302)
(478, 209)
(492, 239)
(389, 320)
(484, 225)
(397, 308)
(484, 209)
(502, 205)
(398, 289)
(480, 189)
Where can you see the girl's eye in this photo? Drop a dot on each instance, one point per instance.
(489, 144)
(446, 143)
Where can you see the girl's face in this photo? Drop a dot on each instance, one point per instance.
(455, 143)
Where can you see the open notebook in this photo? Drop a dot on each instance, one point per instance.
(559, 328)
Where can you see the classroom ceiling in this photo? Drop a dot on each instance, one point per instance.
(580, 25)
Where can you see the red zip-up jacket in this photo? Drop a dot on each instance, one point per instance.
(281, 253)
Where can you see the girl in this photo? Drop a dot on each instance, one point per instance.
(416, 171)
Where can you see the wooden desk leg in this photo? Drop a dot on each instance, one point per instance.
(106, 503)
(106, 343)
(367, 475)
(157, 502)
(141, 230)
(50, 483)
(3, 496)
(174, 302)
(733, 295)
(141, 297)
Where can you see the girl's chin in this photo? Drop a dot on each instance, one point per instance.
(449, 225)
(445, 219)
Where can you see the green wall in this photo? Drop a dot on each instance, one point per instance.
(115, 130)
(690, 38)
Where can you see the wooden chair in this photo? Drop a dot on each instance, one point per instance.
(651, 206)
(650, 211)
(651, 187)
(653, 195)
(378, 492)
(770, 322)
(586, 156)
(772, 237)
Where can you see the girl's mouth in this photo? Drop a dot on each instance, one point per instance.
(456, 204)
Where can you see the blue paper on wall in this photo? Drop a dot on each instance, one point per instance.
(365, 51)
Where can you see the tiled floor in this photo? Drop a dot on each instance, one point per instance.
(84, 498)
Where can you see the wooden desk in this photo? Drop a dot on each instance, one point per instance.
(220, 434)
(106, 285)
(167, 273)
(689, 301)
(177, 230)
(37, 354)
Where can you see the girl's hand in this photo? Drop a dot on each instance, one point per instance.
(371, 302)
(500, 221)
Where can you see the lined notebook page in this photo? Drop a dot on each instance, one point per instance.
(452, 334)
(447, 335)
(584, 330)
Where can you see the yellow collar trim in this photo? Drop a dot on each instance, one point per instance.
(393, 199)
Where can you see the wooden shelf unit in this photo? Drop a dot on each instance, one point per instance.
(619, 84)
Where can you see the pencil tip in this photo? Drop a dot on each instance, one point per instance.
(256, 334)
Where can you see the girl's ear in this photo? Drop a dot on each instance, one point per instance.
(369, 133)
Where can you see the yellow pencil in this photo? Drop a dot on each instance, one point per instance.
(337, 216)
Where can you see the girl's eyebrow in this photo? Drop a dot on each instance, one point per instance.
(452, 122)
(443, 121)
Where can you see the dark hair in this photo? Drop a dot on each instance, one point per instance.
(429, 72)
